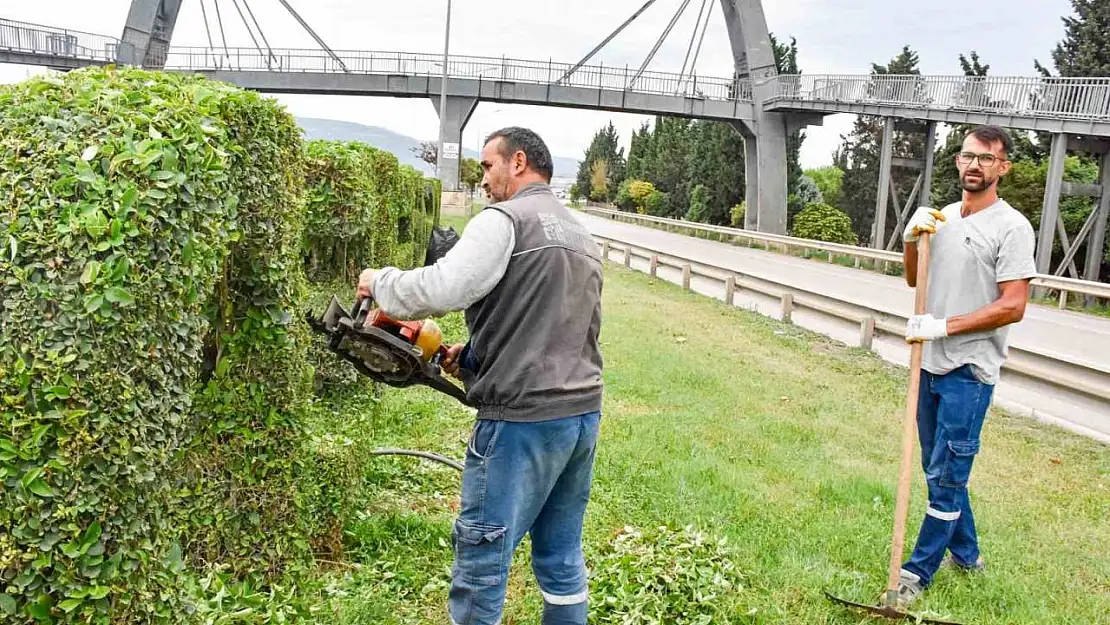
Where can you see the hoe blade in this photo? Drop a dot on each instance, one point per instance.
(888, 611)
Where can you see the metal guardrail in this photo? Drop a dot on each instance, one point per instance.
(1064, 286)
(466, 67)
(1053, 97)
(1085, 379)
(58, 42)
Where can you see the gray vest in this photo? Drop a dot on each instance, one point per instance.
(535, 336)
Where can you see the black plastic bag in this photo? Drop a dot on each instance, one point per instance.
(439, 243)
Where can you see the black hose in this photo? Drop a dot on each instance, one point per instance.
(419, 454)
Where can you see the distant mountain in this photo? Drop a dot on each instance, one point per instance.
(400, 145)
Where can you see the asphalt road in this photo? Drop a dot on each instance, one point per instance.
(1070, 336)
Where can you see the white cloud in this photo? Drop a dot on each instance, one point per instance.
(833, 37)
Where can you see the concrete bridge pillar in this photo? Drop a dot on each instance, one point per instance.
(751, 176)
(459, 110)
(146, 37)
(765, 135)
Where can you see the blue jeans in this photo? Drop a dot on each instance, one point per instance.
(523, 478)
(950, 413)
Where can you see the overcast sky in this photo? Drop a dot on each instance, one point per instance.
(834, 36)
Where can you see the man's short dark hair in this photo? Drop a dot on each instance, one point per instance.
(991, 135)
(515, 138)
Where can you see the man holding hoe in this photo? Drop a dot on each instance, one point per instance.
(979, 269)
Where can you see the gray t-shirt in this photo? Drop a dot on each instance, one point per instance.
(968, 258)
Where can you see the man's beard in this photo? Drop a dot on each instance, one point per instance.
(977, 185)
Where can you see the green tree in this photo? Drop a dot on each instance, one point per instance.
(599, 181)
(1085, 49)
(604, 146)
(639, 153)
(699, 204)
(822, 222)
(828, 180)
(470, 174)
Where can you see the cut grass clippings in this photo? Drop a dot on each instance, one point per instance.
(780, 441)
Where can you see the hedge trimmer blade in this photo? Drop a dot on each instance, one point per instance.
(378, 354)
(888, 611)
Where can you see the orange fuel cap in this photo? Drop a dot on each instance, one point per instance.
(429, 339)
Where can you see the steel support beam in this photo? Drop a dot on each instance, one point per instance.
(1097, 242)
(878, 241)
(147, 34)
(459, 110)
(927, 175)
(754, 57)
(1051, 207)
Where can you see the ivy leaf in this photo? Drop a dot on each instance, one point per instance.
(85, 172)
(40, 488)
(91, 535)
(127, 200)
(7, 604)
(93, 303)
(69, 605)
(99, 592)
(41, 608)
(117, 295)
(92, 269)
(89, 153)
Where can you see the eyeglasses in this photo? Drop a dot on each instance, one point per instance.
(986, 159)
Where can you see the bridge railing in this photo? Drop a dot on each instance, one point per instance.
(466, 67)
(1082, 98)
(58, 42)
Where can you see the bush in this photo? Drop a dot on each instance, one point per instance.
(654, 202)
(822, 222)
(350, 210)
(736, 215)
(679, 577)
(624, 200)
(154, 372)
(339, 209)
(247, 465)
(118, 211)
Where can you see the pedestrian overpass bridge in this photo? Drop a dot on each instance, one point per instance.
(761, 104)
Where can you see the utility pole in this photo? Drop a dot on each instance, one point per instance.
(443, 90)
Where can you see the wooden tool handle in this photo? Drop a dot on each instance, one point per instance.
(909, 423)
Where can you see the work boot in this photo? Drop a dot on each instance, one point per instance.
(909, 588)
(951, 561)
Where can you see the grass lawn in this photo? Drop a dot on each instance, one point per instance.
(774, 438)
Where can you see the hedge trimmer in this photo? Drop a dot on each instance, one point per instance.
(396, 353)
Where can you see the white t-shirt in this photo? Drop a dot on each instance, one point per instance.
(969, 256)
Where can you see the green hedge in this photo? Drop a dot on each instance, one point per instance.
(153, 358)
(364, 209)
(822, 222)
(339, 207)
(114, 191)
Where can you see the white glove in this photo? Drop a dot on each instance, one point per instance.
(925, 328)
(924, 220)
